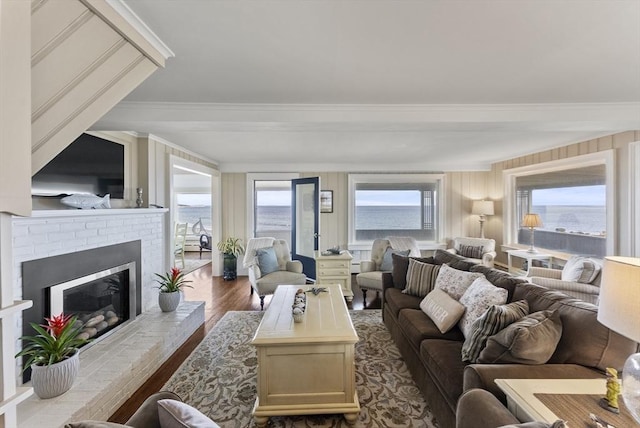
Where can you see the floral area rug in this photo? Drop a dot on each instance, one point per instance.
(219, 378)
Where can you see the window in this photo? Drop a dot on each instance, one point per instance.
(194, 207)
(571, 198)
(269, 205)
(383, 205)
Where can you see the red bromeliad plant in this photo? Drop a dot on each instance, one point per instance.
(55, 341)
(172, 281)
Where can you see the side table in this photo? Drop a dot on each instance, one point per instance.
(524, 254)
(522, 402)
(335, 269)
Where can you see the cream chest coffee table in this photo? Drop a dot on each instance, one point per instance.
(335, 269)
(308, 367)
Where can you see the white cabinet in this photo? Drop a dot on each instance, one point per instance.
(335, 269)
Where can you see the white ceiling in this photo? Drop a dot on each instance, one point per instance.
(316, 85)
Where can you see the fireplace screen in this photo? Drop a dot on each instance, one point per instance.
(102, 301)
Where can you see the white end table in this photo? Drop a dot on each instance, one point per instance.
(522, 402)
(524, 254)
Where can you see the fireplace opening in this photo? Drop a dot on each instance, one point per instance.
(102, 301)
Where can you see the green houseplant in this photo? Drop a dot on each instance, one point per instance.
(231, 248)
(171, 284)
(52, 354)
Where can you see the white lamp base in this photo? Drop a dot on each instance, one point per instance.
(631, 385)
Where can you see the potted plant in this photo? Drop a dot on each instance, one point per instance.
(52, 354)
(171, 284)
(231, 248)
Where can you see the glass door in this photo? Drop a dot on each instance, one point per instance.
(305, 214)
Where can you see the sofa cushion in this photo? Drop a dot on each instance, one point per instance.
(455, 282)
(387, 260)
(491, 322)
(176, 414)
(421, 278)
(456, 261)
(417, 326)
(443, 359)
(395, 300)
(605, 348)
(500, 279)
(444, 310)
(267, 260)
(471, 251)
(480, 295)
(401, 266)
(531, 340)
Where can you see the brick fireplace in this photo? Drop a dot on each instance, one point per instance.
(111, 370)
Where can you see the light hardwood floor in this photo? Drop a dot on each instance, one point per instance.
(219, 296)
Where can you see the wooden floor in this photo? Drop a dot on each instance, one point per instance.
(219, 296)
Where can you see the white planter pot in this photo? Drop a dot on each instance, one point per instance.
(56, 379)
(169, 301)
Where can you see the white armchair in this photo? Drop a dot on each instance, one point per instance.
(588, 273)
(470, 249)
(287, 271)
(370, 276)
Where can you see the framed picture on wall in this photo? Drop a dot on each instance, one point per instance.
(326, 201)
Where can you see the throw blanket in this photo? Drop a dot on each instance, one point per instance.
(405, 243)
(252, 246)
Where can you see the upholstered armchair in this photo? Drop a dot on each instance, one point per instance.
(477, 250)
(269, 263)
(579, 278)
(370, 276)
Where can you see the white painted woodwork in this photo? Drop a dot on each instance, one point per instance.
(335, 269)
(307, 367)
(85, 58)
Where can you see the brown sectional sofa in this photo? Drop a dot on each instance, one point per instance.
(585, 349)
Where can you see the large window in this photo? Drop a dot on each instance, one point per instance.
(571, 198)
(272, 209)
(383, 205)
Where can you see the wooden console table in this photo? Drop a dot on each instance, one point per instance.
(335, 269)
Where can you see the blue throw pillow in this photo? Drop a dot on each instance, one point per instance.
(267, 260)
(387, 260)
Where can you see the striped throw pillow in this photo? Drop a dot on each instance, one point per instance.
(421, 278)
(470, 251)
(496, 318)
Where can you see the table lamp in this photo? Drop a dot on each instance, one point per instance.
(619, 309)
(483, 209)
(531, 221)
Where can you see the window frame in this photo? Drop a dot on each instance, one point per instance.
(511, 223)
(435, 178)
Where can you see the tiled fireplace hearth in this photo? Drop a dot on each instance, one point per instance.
(112, 369)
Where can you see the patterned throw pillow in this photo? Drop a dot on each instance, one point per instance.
(421, 278)
(455, 282)
(470, 251)
(443, 310)
(491, 322)
(477, 299)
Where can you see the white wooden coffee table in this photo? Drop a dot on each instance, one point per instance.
(306, 368)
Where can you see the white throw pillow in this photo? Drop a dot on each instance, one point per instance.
(477, 299)
(443, 310)
(176, 414)
(455, 282)
(580, 269)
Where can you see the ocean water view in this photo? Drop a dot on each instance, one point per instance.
(573, 218)
(192, 214)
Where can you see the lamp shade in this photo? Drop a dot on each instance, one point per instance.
(619, 303)
(482, 208)
(531, 220)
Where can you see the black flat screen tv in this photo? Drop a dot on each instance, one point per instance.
(89, 164)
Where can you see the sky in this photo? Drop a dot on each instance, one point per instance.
(582, 195)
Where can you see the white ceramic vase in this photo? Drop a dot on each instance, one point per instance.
(169, 301)
(55, 379)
